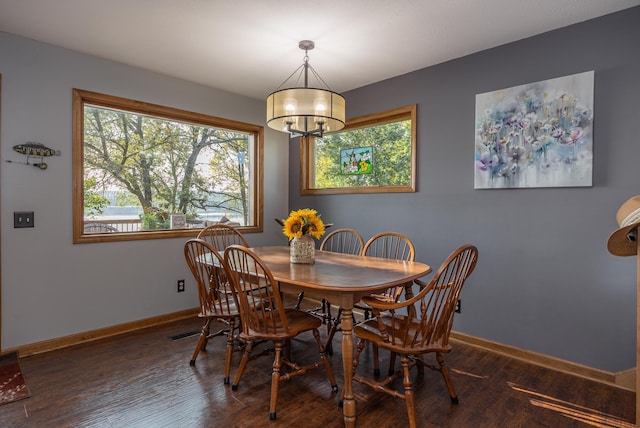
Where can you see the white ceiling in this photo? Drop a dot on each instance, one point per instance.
(250, 47)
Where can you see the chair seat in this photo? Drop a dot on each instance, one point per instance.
(229, 310)
(369, 330)
(298, 321)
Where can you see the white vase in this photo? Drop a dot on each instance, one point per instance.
(302, 250)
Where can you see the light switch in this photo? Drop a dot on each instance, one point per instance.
(23, 219)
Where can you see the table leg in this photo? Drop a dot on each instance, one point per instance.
(349, 402)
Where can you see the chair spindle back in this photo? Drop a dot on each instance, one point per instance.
(436, 301)
(390, 245)
(208, 269)
(257, 292)
(220, 236)
(346, 241)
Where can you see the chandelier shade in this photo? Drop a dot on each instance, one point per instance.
(305, 111)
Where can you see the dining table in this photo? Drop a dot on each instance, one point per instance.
(342, 279)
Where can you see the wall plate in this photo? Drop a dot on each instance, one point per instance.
(23, 219)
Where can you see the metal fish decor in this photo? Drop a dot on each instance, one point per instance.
(37, 150)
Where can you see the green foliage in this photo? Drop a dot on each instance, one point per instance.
(391, 144)
(124, 199)
(94, 203)
(155, 218)
(178, 166)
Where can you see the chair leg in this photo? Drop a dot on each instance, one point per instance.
(376, 360)
(392, 363)
(447, 378)
(202, 341)
(275, 379)
(332, 328)
(243, 365)
(326, 311)
(287, 347)
(356, 358)
(227, 358)
(325, 360)
(408, 391)
(421, 364)
(299, 302)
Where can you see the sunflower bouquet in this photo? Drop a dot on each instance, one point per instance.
(303, 222)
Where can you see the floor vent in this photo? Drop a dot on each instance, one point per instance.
(183, 335)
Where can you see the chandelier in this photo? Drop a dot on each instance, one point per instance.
(304, 111)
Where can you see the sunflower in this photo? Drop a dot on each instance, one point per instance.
(315, 227)
(303, 222)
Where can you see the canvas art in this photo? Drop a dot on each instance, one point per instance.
(357, 161)
(536, 135)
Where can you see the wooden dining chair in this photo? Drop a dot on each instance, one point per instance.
(387, 245)
(345, 241)
(264, 317)
(217, 301)
(390, 245)
(220, 236)
(413, 337)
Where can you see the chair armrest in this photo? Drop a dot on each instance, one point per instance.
(423, 284)
(382, 305)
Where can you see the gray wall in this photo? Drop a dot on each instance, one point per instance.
(544, 281)
(50, 287)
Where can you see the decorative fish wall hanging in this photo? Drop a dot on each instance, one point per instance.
(36, 150)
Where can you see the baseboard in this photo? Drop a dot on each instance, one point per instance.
(102, 333)
(625, 379)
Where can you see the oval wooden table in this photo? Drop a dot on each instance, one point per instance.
(342, 279)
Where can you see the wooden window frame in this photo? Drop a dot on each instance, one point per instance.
(307, 166)
(82, 97)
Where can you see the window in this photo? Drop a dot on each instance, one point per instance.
(371, 154)
(144, 171)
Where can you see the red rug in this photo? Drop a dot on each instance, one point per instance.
(12, 385)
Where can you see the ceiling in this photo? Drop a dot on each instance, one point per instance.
(250, 47)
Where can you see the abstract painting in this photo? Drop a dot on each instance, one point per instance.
(536, 135)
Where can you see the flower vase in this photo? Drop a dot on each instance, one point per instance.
(302, 250)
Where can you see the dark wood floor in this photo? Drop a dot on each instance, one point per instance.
(144, 379)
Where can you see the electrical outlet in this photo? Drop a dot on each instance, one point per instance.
(22, 219)
(180, 285)
(459, 306)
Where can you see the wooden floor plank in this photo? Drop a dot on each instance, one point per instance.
(143, 379)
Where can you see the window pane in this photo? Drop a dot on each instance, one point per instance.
(377, 155)
(374, 153)
(143, 172)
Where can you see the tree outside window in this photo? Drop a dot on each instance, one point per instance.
(371, 154)
(141, 166)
